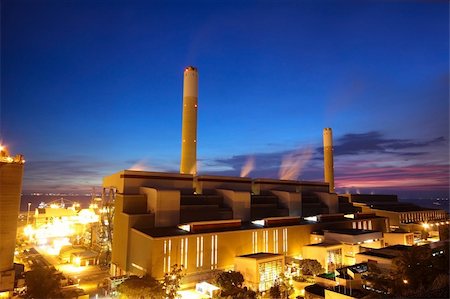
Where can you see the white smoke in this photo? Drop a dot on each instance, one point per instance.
(248, 166)
(293, 163)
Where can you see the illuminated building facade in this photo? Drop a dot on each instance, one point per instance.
(260, 270)
(338, 247)
(205, 222)
(11, 173)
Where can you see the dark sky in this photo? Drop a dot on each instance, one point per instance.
(89, 88)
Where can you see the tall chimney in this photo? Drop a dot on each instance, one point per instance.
(328, 167)
(188, 163)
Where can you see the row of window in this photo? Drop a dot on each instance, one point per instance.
(265, 241)
(362, 224)
(421, 216)
(199, 248)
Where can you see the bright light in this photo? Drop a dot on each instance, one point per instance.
(258, 222)
(405, 281)
(350, 216)
(77, 261)
(1, 148)
(311, 218)
(185, 227)
(426, 225)
(87, 216)
(28, 231)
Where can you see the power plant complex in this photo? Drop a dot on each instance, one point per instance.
(261, 227)
(256, 226)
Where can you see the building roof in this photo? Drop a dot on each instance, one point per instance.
(316, 290)
(378, 254)
(157, 232)
(389, 252)
(353, 232)
(261, 255)
(323, 244)
(400, 207)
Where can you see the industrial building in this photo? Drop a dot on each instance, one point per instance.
(209, 223)
(11, 173)
(205, 222)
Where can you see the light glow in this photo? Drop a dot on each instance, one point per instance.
(258, 222)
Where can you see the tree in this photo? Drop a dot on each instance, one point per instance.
(377, 279)
(230, 283)
(412, 274)
(413, 269)
(172, 280)
(310, 267)
(141, 287)
(275, 292)
(43, 282)
(281, 288)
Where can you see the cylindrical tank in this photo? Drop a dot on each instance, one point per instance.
(188, 163)
(328, 166)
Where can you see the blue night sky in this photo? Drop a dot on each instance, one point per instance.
(89, 88)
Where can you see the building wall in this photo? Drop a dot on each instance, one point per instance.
(398, 239)
(238, 201)
(164, 204)
(222, 247)
(123, 222)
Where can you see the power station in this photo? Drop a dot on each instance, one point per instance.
(208, 223)
(188, 163)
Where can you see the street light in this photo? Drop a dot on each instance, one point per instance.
(28, 212)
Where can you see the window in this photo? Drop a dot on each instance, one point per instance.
(184, 252)
(275, 241)
(214, 252)
(285, 241)
(266, 241)
(167, 249)
(268, 272)
(199, 259)
(255, 242)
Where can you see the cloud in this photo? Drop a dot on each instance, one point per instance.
(369, 161)
(64, 175)
(375, 142)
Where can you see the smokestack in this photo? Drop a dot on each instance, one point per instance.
(328, 167)
(188, 163)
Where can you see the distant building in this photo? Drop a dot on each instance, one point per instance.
(397, 212)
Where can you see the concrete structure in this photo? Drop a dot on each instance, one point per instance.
(205, 222)
(188, 163)
(328, 165)
(11, 173)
